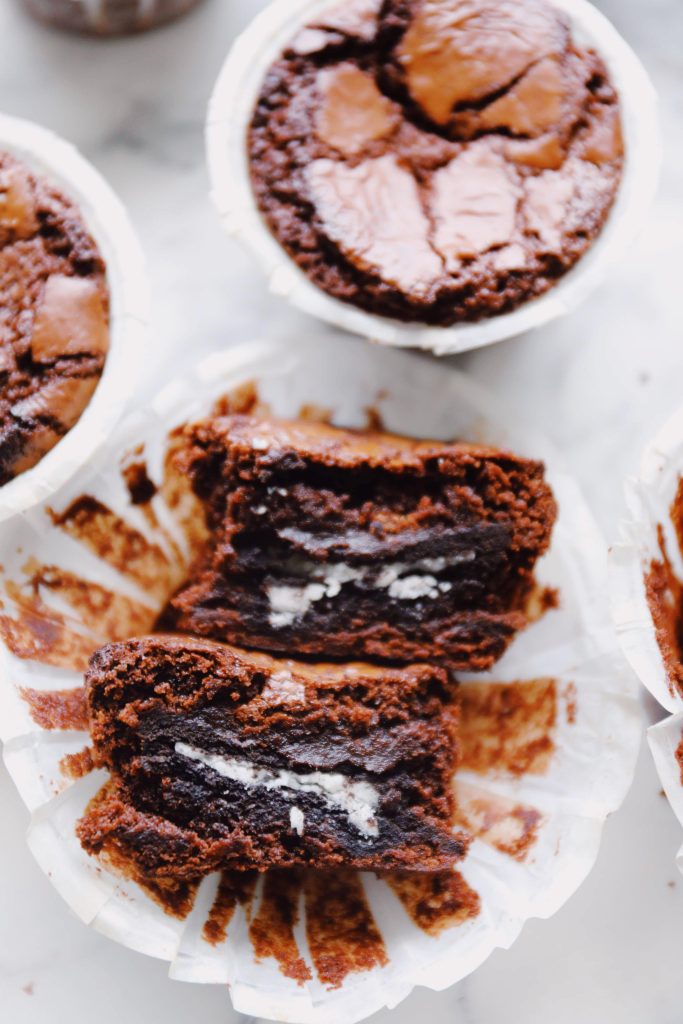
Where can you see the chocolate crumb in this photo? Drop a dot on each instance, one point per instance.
(77, 765)
(57, 709)
(140, 487)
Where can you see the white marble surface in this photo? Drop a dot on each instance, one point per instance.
(598, 383)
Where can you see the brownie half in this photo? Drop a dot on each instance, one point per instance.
(341, 544)
(223, 758)
(54, 316)
(436, 161)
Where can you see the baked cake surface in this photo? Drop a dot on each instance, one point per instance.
(54, 323)
(226, 759)
(339, 544)
(436, 160)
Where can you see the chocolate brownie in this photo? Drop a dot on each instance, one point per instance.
(342, 544)
(436, 160)
(54, 323)
(226, 759)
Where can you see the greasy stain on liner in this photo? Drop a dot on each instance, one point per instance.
(110, 615)
(78, 765)
(186, 509)
(312, 413)
(435, 902)
(116, 542)
(679, 757)
(541, 600)
(508, 727)
(571, 703)
(38, 633)
(57, 709)
(342, 934)
(142, 490)
(235, 888)
(676, 513)
(271, 930)
(664, 594)
(510, 827)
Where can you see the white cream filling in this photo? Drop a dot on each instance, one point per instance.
(282, 688)
(358, 800)
(290, 602)
(296, 820)
(411, 588)
(287, 604)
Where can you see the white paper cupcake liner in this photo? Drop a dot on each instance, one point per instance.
(230, 112)
(596, 728)
(649, 497)
(107, 220)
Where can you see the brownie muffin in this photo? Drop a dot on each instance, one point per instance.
(341, 544)
(54, 322)
(108, 17)
(222, 758)
(436, 160)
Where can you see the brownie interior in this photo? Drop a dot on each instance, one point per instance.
(326, 555)
(200, 738)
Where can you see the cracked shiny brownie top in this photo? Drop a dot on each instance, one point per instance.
(222, 758)
(436, 160)
(342, 544)
(54, 323)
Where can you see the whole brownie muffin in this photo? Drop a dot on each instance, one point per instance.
(54, 321)
(436, 160)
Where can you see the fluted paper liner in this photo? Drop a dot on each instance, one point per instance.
(229, 115)
(649, 498)
(563, 794)
(107, 220)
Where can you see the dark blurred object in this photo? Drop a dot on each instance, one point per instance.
(108, 17)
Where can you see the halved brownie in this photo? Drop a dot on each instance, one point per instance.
(222, 758)
(341, 544)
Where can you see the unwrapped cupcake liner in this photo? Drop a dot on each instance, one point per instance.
(536, 808)
(229, 115)
(649, 498)
(107, 220)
